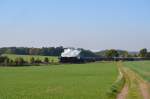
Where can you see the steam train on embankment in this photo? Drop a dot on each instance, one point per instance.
(73, 56)
(94, 59)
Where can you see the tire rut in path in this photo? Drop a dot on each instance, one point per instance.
(144, 90)
(123, 93)
(129, 76)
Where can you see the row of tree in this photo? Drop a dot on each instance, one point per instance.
(143, 53)
(46, 51)
(114, 53)
(19, 61)
(56, 51)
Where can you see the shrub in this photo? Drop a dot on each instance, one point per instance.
(46, 60)
(19, 61)
(32, 60)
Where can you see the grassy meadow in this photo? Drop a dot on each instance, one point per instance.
(99, 80)
(141, 67)
(66, 81)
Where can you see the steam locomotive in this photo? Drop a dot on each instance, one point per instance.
(73, 56)
(78, 59)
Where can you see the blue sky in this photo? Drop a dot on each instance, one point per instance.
(90, 24)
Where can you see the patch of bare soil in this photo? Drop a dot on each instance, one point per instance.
(144, 90)
(123, 93)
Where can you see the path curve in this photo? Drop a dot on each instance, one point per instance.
(130, 75)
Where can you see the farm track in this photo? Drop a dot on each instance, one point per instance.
(123, 93)
(135, 87)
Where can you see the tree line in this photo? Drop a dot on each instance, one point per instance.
(56, 51)
(19, 61)
(143, 53)
(46, 51)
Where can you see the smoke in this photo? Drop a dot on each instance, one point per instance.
(70, 52)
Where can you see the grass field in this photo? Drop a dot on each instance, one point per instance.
(27, 57)
(141, 67)
(69, 81)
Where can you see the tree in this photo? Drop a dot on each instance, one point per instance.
(2, 59)
(19, 61)
(46, 60)
(34, 51)
(125, 54)
(112, 53)
(32, 60)
(87, 53)
(148, 55)
(52, 60)
(143, 52)
(0, 52)
(38, 61)
(6, 61)
(11, 62)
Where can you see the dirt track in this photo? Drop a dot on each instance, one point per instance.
(123, 93)
(135, 87)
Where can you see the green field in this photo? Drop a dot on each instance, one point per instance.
(141, 67)
(27, 57)
(68, 81)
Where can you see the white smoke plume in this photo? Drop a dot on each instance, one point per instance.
(70, 52)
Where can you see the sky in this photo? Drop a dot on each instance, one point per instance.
(89, 24)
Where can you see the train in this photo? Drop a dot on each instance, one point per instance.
(71, 55)
(94, 59)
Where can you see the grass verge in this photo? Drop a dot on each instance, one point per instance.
(117, 85)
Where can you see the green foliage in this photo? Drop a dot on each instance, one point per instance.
(47, 51)
(4, 60)
(101, 53)
(28, 57)
(32, 60)
(22, 60)
(34, 51)
(112, 53)
(87, 53)
(143, 52)
(121, 53)
(46, 60)
(148, 55)
(38, 61)
(19, 61)
(116, 88)
(7, 61)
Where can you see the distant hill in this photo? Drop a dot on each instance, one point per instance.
(101, 53)
(88, 53)
(133, 53)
